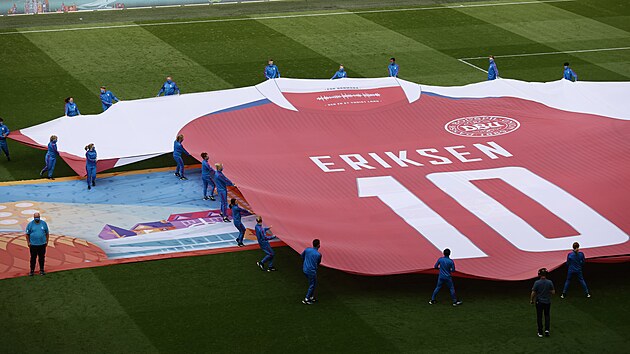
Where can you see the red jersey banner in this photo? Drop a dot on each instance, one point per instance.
(386, 184)
(388, 173)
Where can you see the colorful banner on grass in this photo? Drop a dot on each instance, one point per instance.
(388, 173)
(50, 6)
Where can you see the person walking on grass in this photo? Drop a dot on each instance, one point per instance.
(207, 177)
(169, 88)
(312, 258)
(107, 98)
(541, 296)
(178, 150)
(71, 109)
(263, 242)
(575, 263)
(237, 212)
(51, 158)
(446, 266)
(568, 73)
(493, 71)
(90, 165)
(222, 183)
(4, 132)
(37, 239)
(340, 74)
(271, 71)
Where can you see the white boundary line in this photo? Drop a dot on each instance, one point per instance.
(465, 60)
(289, 16)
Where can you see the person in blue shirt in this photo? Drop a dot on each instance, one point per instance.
(4, 132)
(207, 177)
(575, 263)
(446, 266)
(37, 235)
(90, 165)
(71, 109)
(493, 71)
(341, 73)
(237, 212)
(51, 158)
(568, 73)
(271, 70)
(392, 68)
(312, 258)
(222, 183)
(169, 88)
(541, 294)
(263, 242)
(178, 150)
(107, 98)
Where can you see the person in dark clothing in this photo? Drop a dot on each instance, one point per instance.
(541, 295)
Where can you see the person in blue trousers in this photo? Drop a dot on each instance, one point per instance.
(237, 212)
(312, 258)
(222, 183)
(90, 165)
(207, 177)
(107, 98)
(169, 88)
(4, 132)
(271, 70)
(178, 151)
(263, 242)
(493, 71)
(51, 158)
(393, 68)
(341, 73)
(575, 263)
(446, 266)
(71, 109)
(568, 73)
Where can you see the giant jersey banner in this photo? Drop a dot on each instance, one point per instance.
(388, 173)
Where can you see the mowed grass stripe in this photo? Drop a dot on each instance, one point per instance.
(68, 313)
(132, 62)
(459, 35)
(615, 13)
(238, 52)
(561, 30)
(365, 47)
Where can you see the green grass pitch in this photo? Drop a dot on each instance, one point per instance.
(221, 303)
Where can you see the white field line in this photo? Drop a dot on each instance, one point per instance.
(465, 60)
(474, 66)
(288, 16)
(548, 53)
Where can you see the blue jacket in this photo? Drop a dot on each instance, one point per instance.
(261, 236)
(575, 262)
(312, 258)
(272, 72)
(569, 74)
(393, 69)
(52, 149)
(446, 266)
(221, 181)
(339, 74)
(4, 131)
(37, 232)
(90, 158)
(107, 99)
(236, 213)
(169, 88)
(493, 71)
(72, 109)
(207, 172)
(178, 149)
